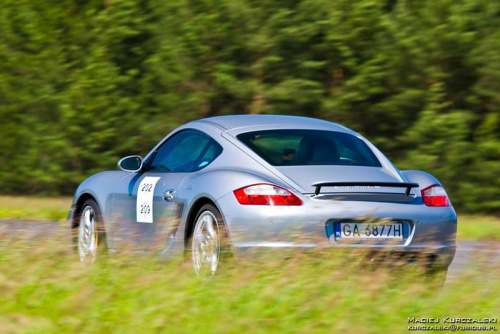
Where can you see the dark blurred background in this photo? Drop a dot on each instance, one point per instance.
(83, 83)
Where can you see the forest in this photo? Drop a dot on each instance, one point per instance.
(86, 82)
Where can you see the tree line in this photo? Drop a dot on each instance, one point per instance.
(85, 82)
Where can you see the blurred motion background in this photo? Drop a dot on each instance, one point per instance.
(86, 82)
(83, 83)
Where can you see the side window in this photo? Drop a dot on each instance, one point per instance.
(211, 151)
(183, 153)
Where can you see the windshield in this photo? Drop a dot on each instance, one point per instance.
(309, 147)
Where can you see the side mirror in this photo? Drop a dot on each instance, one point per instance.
(132, 163)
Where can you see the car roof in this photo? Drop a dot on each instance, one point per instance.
(232, 122)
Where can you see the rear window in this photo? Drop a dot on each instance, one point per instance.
(309, 147)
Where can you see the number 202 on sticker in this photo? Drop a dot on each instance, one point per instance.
(144, 204)
(147, 187)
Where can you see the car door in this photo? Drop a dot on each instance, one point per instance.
(148, 204)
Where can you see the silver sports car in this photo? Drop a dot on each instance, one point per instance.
(234, 183)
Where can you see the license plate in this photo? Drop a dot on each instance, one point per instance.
(368, 231)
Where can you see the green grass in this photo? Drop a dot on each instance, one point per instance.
(478, 227)
(34, 208)
(470, 227)
(43, 289)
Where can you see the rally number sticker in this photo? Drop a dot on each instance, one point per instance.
(145, 199)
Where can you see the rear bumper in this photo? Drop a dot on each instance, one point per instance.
(437, 256)
(431, 239)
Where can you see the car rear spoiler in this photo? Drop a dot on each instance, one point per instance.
(408, 186)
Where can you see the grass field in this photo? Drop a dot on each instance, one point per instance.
(43, 289)
(470, 227)
(34, 208)
(478, 227)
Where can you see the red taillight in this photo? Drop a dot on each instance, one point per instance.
(265, 194)
(435, 196)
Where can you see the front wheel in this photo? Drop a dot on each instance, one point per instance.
(209, 241)
(90, 232)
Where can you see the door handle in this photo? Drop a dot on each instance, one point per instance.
(169, 195)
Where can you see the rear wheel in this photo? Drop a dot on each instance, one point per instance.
(91, 238)
(209, 243)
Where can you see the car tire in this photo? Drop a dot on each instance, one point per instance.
(89, 234)
(209, 242)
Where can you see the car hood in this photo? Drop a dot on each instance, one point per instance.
(305, 176)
